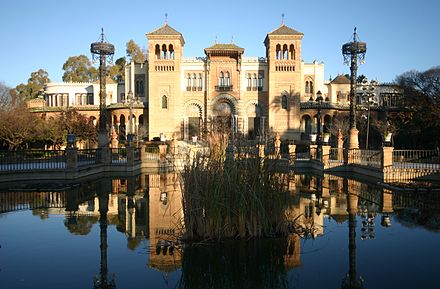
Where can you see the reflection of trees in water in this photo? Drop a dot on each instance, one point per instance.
(235, 264)
(80, 225)
(425, 218)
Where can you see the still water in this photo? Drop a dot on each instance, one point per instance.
(122, 232)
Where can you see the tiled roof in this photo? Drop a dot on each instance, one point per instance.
(341, 79)
(285, 30)
(165, 30)
(220, 46)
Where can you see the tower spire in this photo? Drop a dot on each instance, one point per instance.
(166, 18)
(282, 19)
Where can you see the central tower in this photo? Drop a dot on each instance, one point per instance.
(283, 53)
(165, 50)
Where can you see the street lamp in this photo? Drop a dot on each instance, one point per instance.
(319, 100)
(130, 99)
(352, 52)
(104, 52)
(368, 93)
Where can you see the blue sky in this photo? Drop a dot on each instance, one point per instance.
(400, 35)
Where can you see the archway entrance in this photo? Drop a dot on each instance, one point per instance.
(254, 121)
(193, 122)
(224, 120)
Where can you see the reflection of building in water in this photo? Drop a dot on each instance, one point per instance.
(166, 217)
(15, 201)
(292, 258)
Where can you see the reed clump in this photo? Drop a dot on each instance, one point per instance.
(230, 199)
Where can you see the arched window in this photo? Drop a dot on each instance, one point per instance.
(200, 82)
(292, 51)
(227, 79)
(188, 82)
(221, 79)
(260, 82)
(171, 49)
(285, 52)
(307, 87)
(194, 81)
(311, 87)
(254, 81)
(164, 101)
(284, 101)
(278, 51)
(157, 51)
(164, 51)
(248, 79)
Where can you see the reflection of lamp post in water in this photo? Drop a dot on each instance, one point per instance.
(104, 281)
(351, 281)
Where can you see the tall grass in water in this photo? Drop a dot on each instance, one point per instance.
(230, 199)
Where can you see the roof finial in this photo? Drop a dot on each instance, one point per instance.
(232, 39)
(166, 18)
(282, 19)
(215, 41)
(354, 34)
(102, 34)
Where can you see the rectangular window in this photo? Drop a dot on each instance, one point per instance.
(90, 99)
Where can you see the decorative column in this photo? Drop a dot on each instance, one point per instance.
(325, 155)
(292, 153)
(277, 144)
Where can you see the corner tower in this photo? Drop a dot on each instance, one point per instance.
(283, 53)
(165, 50)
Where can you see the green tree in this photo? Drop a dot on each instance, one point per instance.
(79, 69)
(17, 126)
(117, 71)
(71, 121)
(34, 86)
(135, 52)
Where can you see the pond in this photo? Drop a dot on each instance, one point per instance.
(122, 232)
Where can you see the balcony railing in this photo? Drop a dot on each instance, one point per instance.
(223, 88)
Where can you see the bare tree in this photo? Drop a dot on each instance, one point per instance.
(340, 122)
(5, 95)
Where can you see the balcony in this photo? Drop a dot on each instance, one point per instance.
(223, 88)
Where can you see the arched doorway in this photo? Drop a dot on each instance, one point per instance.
(122, 128)
(254, 121)
(194, 120)
(327, 123)
(223, 116)
(306, 126)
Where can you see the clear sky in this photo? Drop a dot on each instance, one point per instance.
(401, 34)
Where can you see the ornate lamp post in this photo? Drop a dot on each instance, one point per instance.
(319, 100)
(352, 52)
(369, 93)
(104, 52)
(130, 99)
